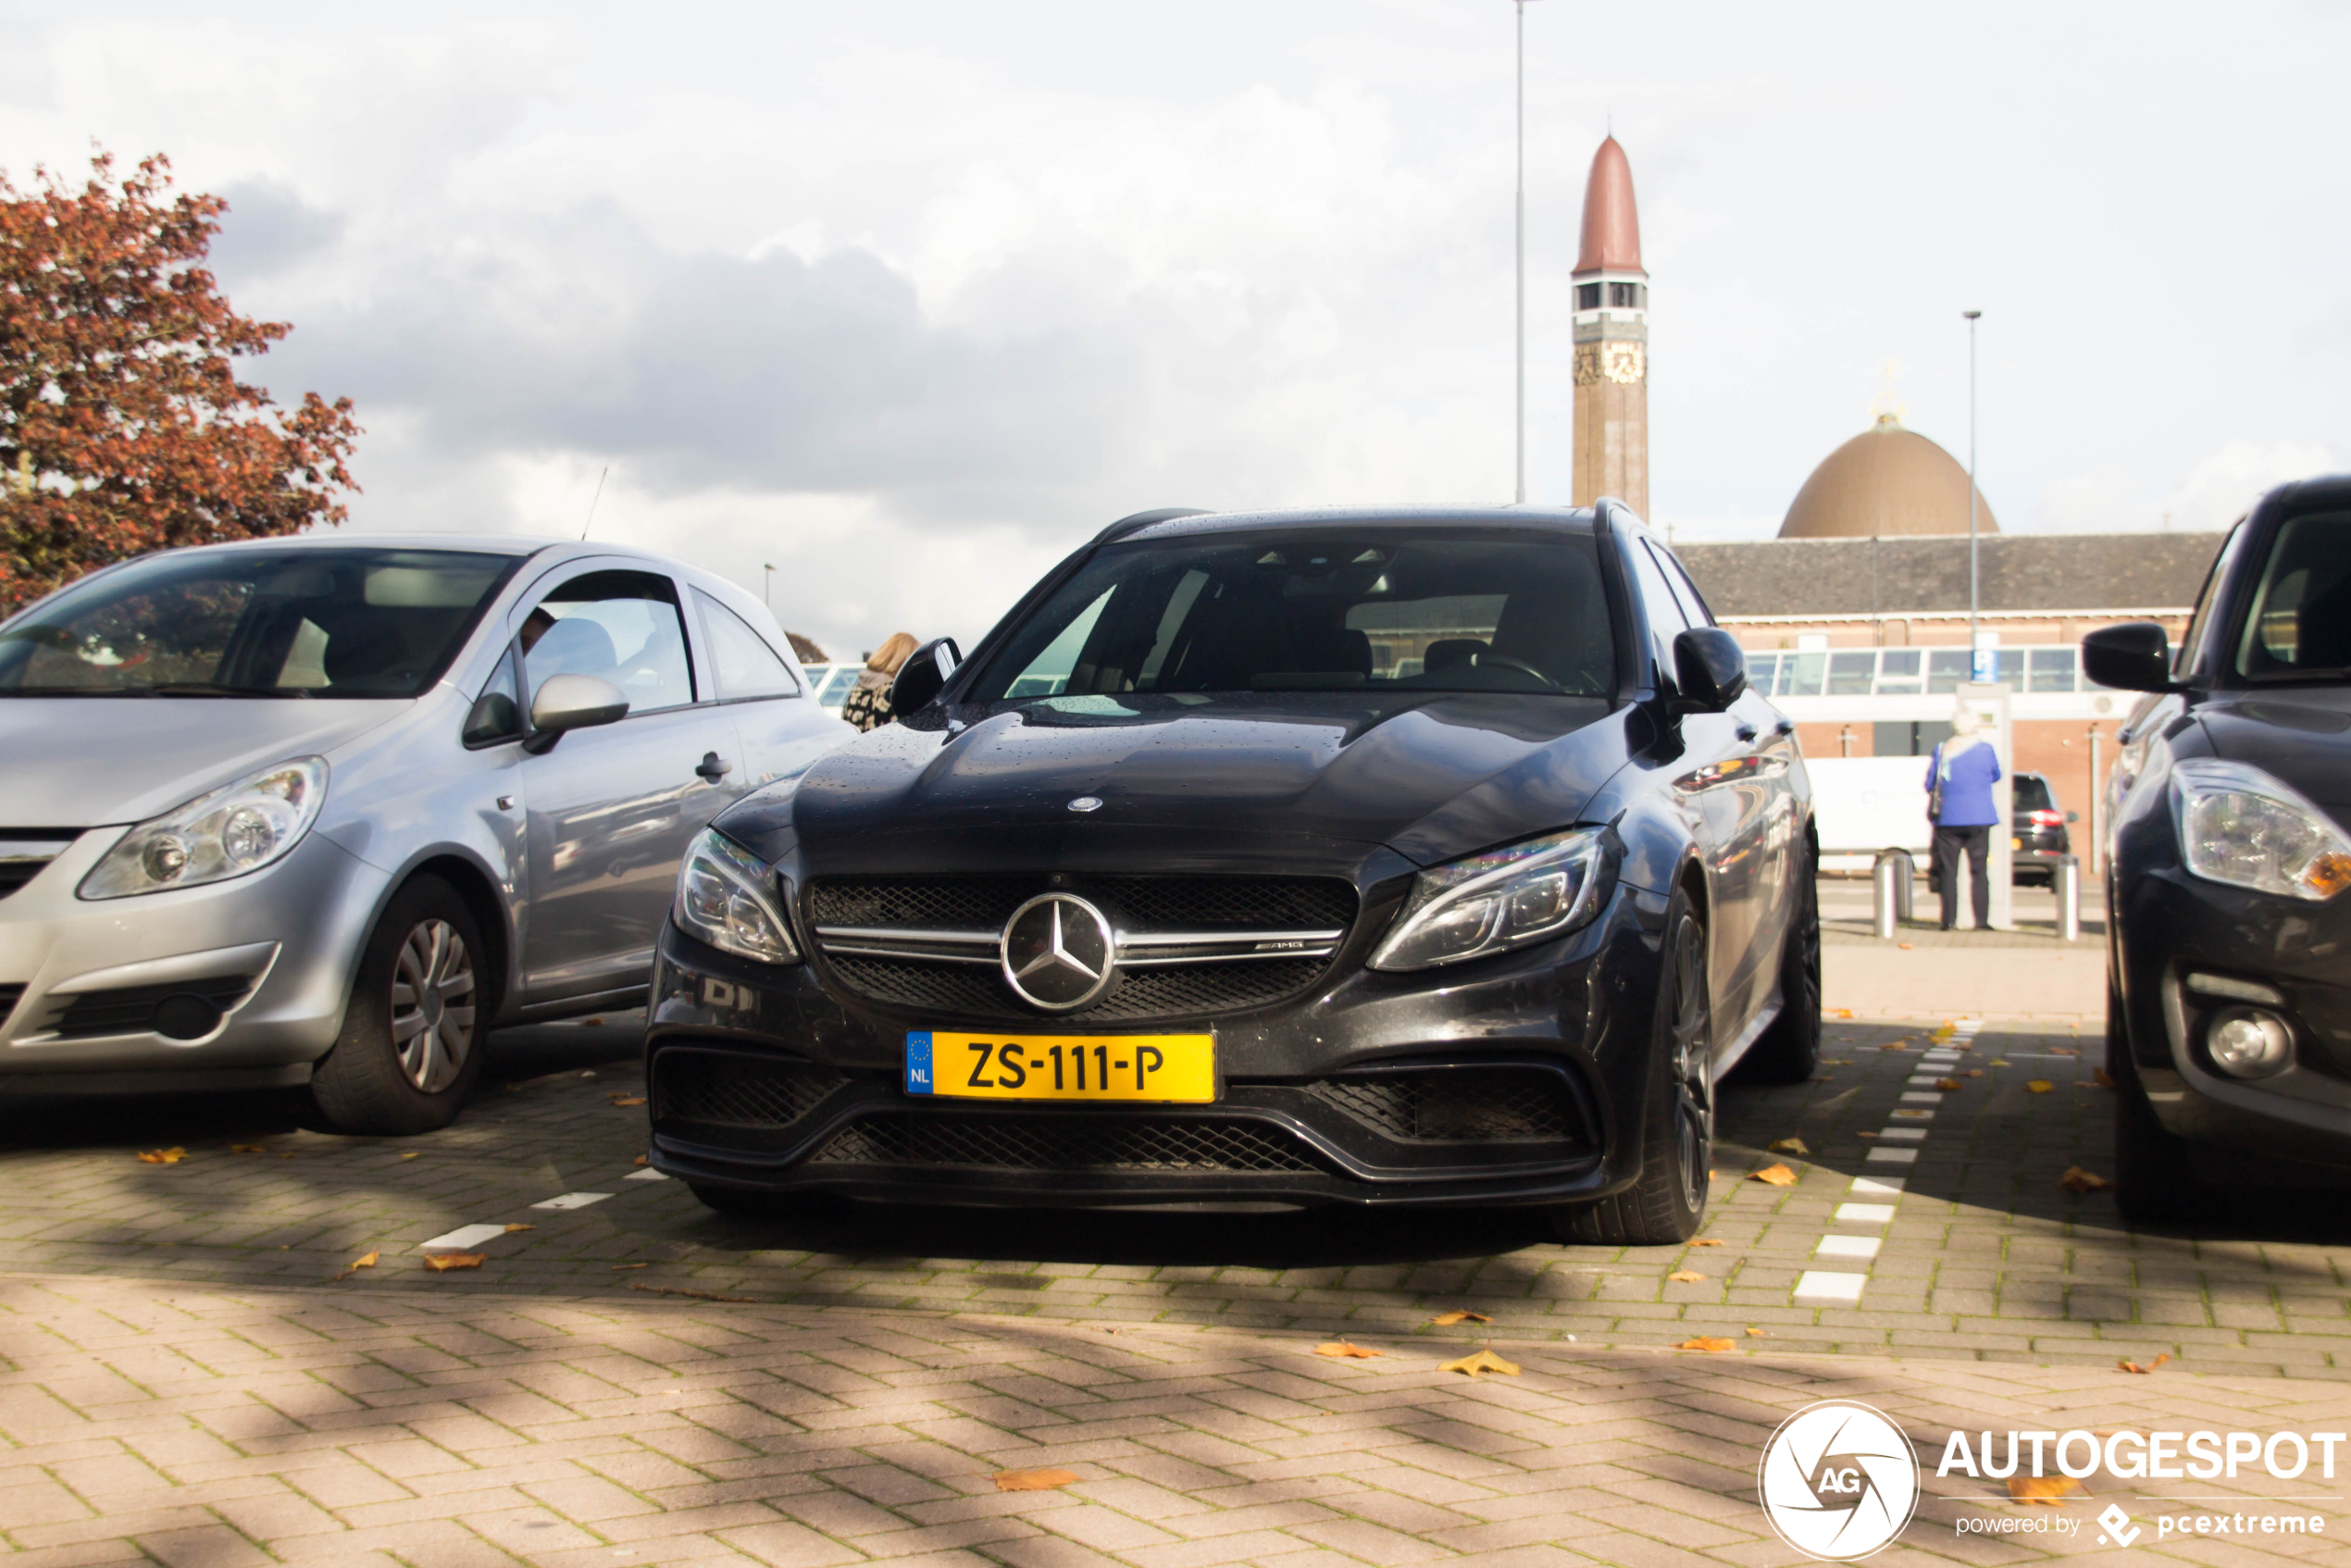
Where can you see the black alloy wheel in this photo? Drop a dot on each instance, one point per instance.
(410, 1050)
(2152, 1182)
(1668, 1202)
(1790, 1050)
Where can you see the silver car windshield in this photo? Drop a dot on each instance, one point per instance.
(353, 622)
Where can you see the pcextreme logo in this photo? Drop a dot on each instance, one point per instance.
(1838, 1480)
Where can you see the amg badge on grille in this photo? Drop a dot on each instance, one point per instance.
(1058, 952)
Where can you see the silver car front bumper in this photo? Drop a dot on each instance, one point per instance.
(255, 972)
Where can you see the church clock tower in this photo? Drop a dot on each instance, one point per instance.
(1611, 340)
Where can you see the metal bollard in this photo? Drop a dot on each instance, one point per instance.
(2067, 886)
(1881, 892)
(1905, 872)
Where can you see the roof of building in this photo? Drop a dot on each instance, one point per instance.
(1611, 223)
(2028, 572)
(1887, 481)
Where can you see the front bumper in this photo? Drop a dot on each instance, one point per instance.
(2169, 924)
(239, 983)
(1514, 1080)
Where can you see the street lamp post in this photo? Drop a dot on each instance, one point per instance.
(1520, 6)
(1974, 647)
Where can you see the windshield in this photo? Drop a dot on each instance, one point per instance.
(1403, 609)
(2033, 793)
(262, 623)
(2301, 621)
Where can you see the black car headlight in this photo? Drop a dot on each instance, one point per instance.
(727, 897)
(2240, 826)
(235, 829)
(1502, 899)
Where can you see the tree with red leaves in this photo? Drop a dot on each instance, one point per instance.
(123, 427)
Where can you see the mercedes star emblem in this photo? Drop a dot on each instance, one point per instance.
(1058, 953)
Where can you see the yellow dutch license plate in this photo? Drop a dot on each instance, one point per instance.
(1001, 1067)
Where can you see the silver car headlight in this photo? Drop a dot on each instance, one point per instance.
(727, 897)
(1502, 899)
(236, 829)
(2240, 826)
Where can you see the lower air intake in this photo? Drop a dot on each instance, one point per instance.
(1459, 1105)
(723, 1089)
(1064, 1143)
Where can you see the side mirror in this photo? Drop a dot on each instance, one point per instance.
(571, 702)
(1710, 668)
(2134, 656)
(920, 678)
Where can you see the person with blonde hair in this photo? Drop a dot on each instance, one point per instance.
(868, 704)
(1959, 801)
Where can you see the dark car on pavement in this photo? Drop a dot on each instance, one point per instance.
(1376, 857)
(2038, 828)
(2229, 991)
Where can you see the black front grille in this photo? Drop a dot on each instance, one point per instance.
(15, 874)
(9, 997)
(25, 852)
(1459, 1105)
(739, 1091)
(970, 990)
(1141, 903)
(1064, 1143)
(131, 1010)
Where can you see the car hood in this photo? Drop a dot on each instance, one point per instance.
(2301, 734)
(1187, 780)
(89, 761)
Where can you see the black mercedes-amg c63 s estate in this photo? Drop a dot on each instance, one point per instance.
(1259, 860)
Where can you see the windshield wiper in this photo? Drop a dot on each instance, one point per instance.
(207, 689)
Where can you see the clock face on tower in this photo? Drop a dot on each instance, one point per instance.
(1627, 363)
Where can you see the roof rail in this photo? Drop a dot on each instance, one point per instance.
(1144, 520)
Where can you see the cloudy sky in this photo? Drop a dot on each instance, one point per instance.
(907, 297)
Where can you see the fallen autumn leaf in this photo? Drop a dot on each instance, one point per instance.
(358, 1263)
(1033, 1480)
(2076, 1179)
(625, 1100)
(1686, 1276)
(1705, 1241)
(442, 1263)
(1757, 1334)
(1788, 1145)
(1485, 1360)
(2051, 1489)
(1712, 1346)
(1947, 1085)
(1458, 1314)
(511, 1228)
(2039, 1085)
(1773, 1176)
(1341, 1350)
(624, 1268)
(2143, 1371)
(171, 1156)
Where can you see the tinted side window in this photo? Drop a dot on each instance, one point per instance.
(620, 627)
(2191, 650)
(742, 665)
(497, 713)
(1666, 620)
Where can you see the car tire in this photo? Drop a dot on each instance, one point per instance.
(1667, 1204)
(1790, 1050)
(410, 1050)
(2152, 1182)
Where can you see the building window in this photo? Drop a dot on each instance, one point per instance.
(1946, 669)
(1850, 673)
(1588, 296)
(1899, 671)
(1801, 675)
(1624, 296)
(1761, 670)
(2052, 671)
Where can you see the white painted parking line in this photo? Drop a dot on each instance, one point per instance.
(573, 1201)
(1893, 1157)
(1938, 1059)
(1913, 1116)
(1927, 1080)
(457, 1240)
(1824, 1288)
(1888, 1185)
(648, 1174)
(1909, 1135)
(1861, 1247)
(1865, 1214)
(1921, 1096)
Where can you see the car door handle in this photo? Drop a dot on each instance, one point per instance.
(714, 767)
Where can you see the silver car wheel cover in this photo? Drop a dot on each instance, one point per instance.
(1692, 1065)
(432, 1010)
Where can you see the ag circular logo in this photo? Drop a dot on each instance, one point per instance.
(1838, 1480)
(1058, 953)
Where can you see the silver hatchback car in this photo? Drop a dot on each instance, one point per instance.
(323, 810)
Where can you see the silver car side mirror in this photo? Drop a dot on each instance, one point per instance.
(572, 701)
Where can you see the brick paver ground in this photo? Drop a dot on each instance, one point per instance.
(183, 1378)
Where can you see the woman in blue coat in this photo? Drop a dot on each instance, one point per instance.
(1958, 784)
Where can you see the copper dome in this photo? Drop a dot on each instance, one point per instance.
(1885, 481)
(1611, 224)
